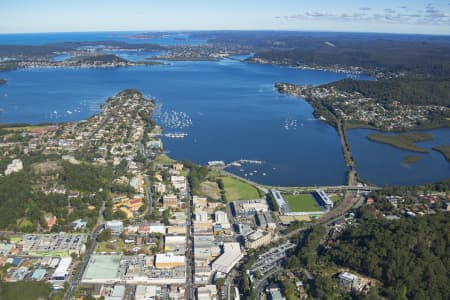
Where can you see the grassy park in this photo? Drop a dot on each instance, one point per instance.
(238, 190)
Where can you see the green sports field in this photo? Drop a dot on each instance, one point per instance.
(301, 203)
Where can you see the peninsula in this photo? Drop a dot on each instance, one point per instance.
(358, 110)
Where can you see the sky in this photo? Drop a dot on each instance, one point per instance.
(393, 16)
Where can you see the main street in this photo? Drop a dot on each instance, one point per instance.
(190, 261)
(76, 278)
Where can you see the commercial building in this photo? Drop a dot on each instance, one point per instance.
(231, 255)
(157, 228)
(257, 239)
(147, 292)
(175, 243)
(221, 217)
(202, 228)
(115, 226)
(117, 293)
(169, 260)
(140, 269)
(208, 292)
(201, 216)
(199, 202)
(247, 208)
(265, 220)
(102, 269)
(62, 271)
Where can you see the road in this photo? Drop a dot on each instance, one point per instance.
(76, 278)
(260, 284)
(190, 262)
(148, 184)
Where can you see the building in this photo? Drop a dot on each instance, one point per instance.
(265, 220)
(79, 224)
(51, 222)
(135, 270)
(247, 208)
(15, 166)
(178, 166)
(159, 188)
(169, 260)
(221, 217)
(175, 243)
(349, 281)
(117, 293)
(199, 202)
(201, 216)
(283, 206)
(157, 228)
(208, 292)
(447, 206)
(39, 274)
(102, 269)
(147, 292)
(115, 226)
(323, 200)
(170, 201)
(154, 144)
(232, 254)
(276, 295)
(62, 271)
(257, 239)
(179, 183)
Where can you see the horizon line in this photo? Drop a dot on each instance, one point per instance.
(229, 30)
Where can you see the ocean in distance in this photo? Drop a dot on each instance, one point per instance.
(229, 111)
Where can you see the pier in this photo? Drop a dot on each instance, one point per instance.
(238, 163)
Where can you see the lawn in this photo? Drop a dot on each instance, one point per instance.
(336, 198)
(238, 190)
(302, 202)
(210, 189)
(25, 128)
(118, 246)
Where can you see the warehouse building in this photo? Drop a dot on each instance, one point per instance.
(62, 271)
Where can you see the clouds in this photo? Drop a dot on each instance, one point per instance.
(429, 15)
